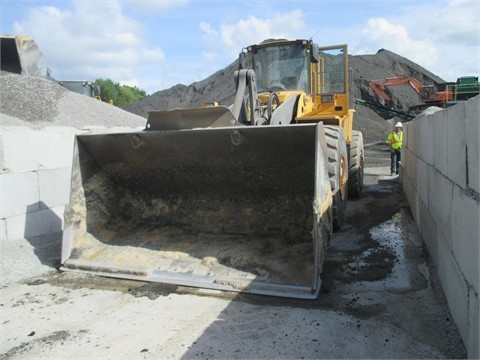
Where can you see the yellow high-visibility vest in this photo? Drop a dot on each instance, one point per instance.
(395, 140)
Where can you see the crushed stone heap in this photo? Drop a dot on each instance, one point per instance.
(37, 103)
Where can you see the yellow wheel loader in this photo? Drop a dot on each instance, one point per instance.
(241, 198)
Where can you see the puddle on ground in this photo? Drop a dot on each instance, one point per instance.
(400, 254)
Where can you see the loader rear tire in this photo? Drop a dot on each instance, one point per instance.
(337, 172)
(356, 165)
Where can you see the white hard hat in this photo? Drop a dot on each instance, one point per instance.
(398, 124)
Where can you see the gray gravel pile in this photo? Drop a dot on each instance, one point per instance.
(38, 103)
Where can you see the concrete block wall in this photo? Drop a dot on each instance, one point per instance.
(34, 180)
(35, 174)
(441, 172)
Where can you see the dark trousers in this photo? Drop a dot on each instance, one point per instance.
(395, 158)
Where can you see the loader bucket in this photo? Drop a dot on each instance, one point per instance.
(21, 55)
(245, 209)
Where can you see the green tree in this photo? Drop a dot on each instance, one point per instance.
(119, 95)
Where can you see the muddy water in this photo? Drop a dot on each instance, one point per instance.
(394, 254)
(394, 235)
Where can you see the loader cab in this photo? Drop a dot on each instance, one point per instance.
(316, 76)
(300, 65)
(281, 65)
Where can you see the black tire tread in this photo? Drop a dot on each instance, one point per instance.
(336, 147)
(356, 167)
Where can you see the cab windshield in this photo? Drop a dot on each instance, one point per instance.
(279, 68)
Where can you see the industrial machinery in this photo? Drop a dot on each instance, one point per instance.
(447, 93)
(21, 55)
(426, 94)
(87, 88)
(241, 198)
(384, 111)
(464, 88)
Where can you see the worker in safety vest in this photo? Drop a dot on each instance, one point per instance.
(394, 141)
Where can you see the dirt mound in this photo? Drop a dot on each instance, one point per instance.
(36, 103)
(220, 87)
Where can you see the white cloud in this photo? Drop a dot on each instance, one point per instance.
(155, 6)
(456, 21)
(223, 42)
(153, 55)
(207, 28)
(230, 38)
(383, 34)
(91, 40)
(443, 39)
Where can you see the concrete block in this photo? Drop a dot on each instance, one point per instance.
(454, 287)
(440, 147)
(408, 162)
(28, 150)
(426, 139)
(3, 230)
(440, 205)
(5, 131)
(416, 143)
(407, 184)
(409, 135)
(472, 113)
(422, 169)
(414, 201)
(54, 186)
(428, 229)
(410, 194)
(473, 341)
(17, 191)
(41, 222)
(456, 155)
(466, 237)
(416, 205)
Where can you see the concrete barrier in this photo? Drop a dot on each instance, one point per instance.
(35, 180)
(35, 173)
(441, 181)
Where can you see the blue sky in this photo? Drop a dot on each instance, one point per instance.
(156, 44)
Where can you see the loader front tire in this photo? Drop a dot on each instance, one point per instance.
(337, 172)
(356, 165)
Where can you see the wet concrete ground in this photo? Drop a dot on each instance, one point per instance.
(380, 298)
(381, 264)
